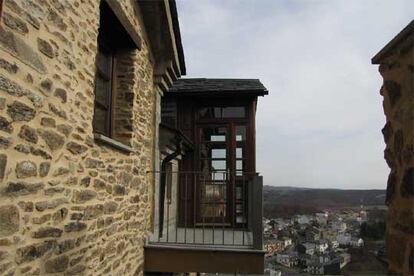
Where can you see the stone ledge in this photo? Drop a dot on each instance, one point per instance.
(113, 143)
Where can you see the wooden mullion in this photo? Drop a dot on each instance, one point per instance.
(111, 97)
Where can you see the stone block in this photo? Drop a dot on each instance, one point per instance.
(60, 215)
(50, 204)
(44, 169)
(5, 142)
(41, 153)
(47, 232)
(21, 188)
(56, 20)
(21, 50)
(15, 23)
(75, 226)
(93, 211)
(76, 270)
(64, 129)
(9, 220)
(48, 122)
(93, 163)
(42, 219)
(76, 148)
(58, 112)
(83, 196)
(29, 134)
(119, 190)
(110, 207)
(86, 181)
(19, 111)
(11, 87)
(61, 94)
(26, 206)
(45, 48)
(407, 184)
(26, 169)
(9, 67)
(34, 251)
(5, 125)
(3, 165)
(99, 184)
(46, 86)
(53, 140)
(58, 264)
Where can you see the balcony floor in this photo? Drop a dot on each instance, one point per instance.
(217, 237)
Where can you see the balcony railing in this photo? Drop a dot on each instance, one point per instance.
(214, 209)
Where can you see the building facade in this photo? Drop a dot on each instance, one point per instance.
(396, 66)
(80, 87)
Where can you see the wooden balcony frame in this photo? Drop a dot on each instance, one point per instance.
(173, 257)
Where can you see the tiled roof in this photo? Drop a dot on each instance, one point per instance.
(218, 85)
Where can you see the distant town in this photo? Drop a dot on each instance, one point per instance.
(328, 242)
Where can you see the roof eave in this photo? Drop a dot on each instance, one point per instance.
(161, 21)
(384, 52)
(239, 93)
(177, 33)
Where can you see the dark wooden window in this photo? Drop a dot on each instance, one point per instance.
(112, 38)
(103, 88)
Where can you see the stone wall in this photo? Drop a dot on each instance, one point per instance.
(397, 70)
(67, 203)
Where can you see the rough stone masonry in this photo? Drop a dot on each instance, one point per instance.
(396, 66)
(69, 204)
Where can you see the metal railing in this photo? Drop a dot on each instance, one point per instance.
(213, 208)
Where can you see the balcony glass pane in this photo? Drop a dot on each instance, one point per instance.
(215, 112)
(240, 133)
(239, 165)
(234, 112)
(219, 176)
(218, 165)
(239, 152)
(218, 153)
(214, 134)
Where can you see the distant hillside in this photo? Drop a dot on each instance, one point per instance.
(288, 201)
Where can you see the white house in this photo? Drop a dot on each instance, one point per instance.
(321, 246)
(287, 259)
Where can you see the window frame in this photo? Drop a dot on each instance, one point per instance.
(118, 34)
(109, 122)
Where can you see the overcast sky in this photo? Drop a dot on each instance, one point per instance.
(320, 124)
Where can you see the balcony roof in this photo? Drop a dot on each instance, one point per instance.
(200, 86)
